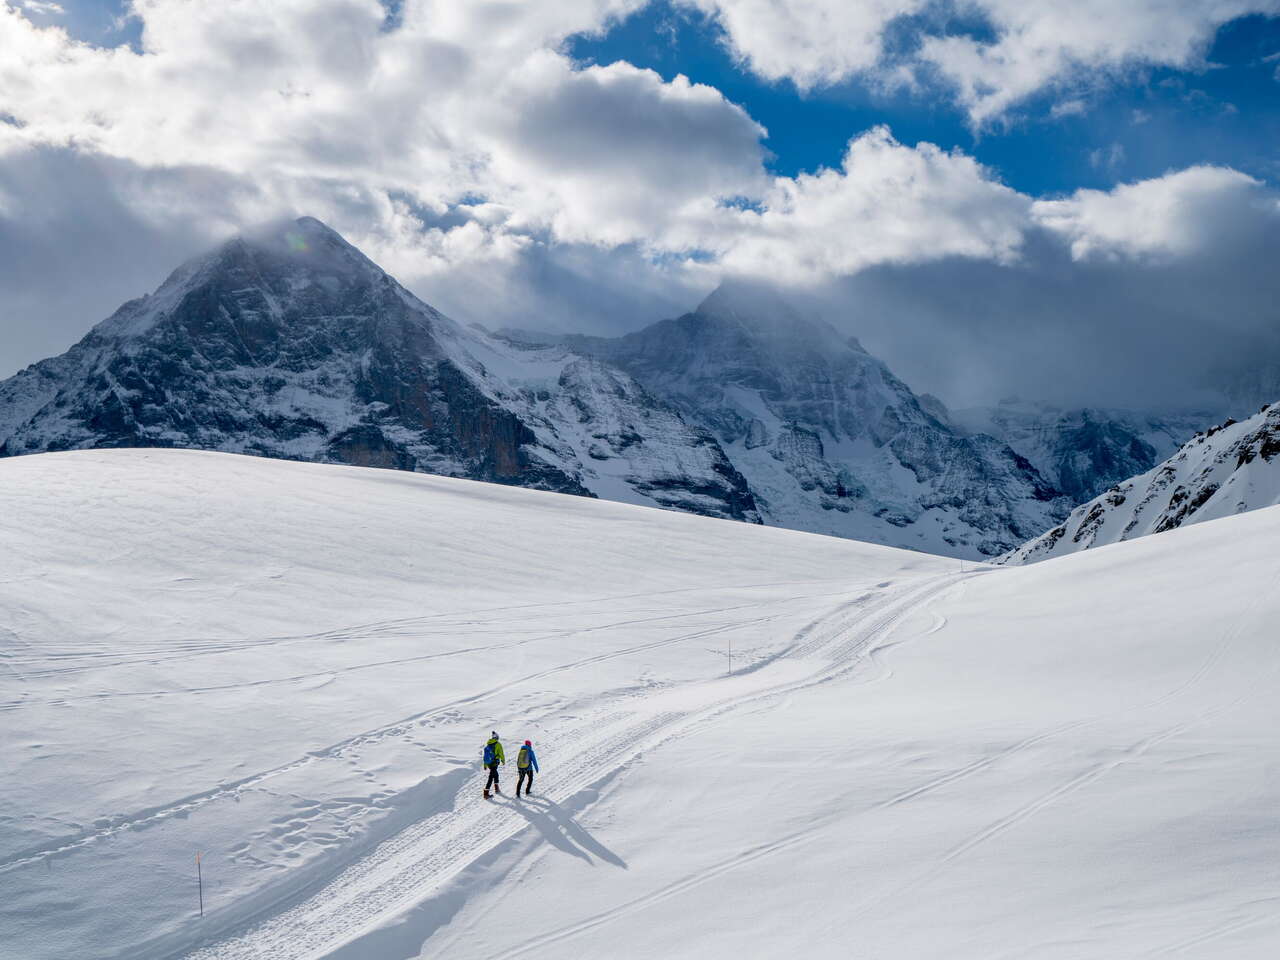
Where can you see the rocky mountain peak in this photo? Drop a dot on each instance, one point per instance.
(1219, 472)
(286, 341)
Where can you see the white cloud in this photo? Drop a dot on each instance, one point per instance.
(1181, 214)
(1107, 158)
(1034, 44)
(42, 7)
(1043, 43)
(889, 203)
(612, 154)
(810, 42)
(464, 137)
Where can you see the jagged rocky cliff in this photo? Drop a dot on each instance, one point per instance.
(1084, 450)
(290, 343)
(1218, 472)
(827, 437)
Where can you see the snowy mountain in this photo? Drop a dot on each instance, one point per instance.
(1219, 472)
(290, 668)
(1085, 450)
(828, 439)
(290, 343)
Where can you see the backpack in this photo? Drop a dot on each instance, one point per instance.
(522, 759)
(490, 758)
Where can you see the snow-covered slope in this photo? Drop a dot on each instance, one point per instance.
(281, 664)
(290, 343)
(291, 668)
(828, 439)
(1217, 473)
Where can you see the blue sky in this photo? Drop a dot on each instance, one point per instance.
(1154, 120)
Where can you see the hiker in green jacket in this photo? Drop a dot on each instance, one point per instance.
(492, 757)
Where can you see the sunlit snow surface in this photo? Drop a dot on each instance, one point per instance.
(292, 668)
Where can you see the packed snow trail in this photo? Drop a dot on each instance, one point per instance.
(406, 870)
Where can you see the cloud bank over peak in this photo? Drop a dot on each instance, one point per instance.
(459, 146)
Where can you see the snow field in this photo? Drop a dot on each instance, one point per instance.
(293, 667)
(285, 665)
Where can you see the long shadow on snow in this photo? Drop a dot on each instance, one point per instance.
(406, 937)
(560, 830)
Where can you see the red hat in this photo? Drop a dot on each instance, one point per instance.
(528, 743)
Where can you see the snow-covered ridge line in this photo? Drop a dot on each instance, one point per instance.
(288, 342)
(1225, 470)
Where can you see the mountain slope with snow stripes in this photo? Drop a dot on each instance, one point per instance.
(1217, 473)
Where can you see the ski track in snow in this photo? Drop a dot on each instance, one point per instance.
(1269, 912)
(1125, 754)
(298, 678)
(188, 804)
(421, 859)
(670, 890)
(1265, 911)
(402, 627)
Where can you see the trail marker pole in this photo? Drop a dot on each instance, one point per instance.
(731, 654)
(200, 881)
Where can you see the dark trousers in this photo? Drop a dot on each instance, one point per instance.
(493, 776)
(525, 774)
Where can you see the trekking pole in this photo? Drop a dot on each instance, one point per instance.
(200, 882)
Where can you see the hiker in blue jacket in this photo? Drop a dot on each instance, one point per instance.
(492, 756)
(527, 765)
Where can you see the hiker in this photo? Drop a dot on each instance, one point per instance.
(526, 766)
(492, 757)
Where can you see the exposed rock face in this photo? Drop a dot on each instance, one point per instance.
(1083, 451)
(633, 443)
(1219, 472)
(827, 437)
(289, 344)
(292, 344)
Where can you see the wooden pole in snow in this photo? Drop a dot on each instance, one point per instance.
(200, 881)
